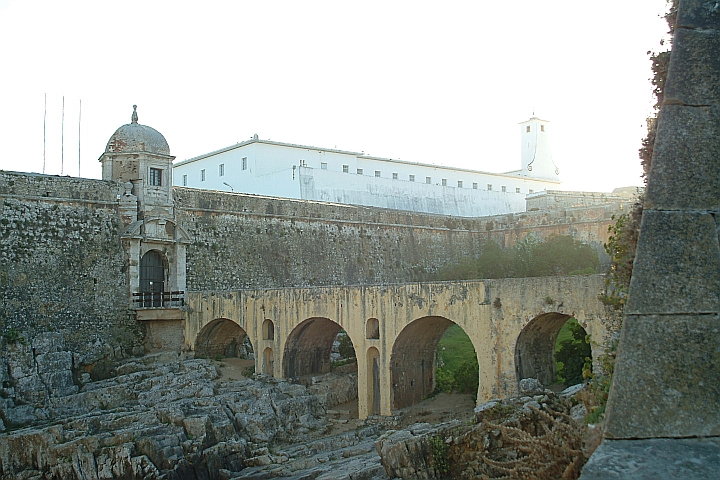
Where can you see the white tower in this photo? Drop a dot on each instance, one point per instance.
(535, 150)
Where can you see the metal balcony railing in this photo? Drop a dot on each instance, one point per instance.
(158, 299)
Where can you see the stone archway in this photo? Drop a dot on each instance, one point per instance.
(268, 330)
(153, 278)
(308, 347)
(412, 364)
(268, 362)
(373, 376)
(535, 348)
(221, 337)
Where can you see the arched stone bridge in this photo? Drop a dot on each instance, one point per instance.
(395, 329)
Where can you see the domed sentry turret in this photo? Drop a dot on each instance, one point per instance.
(136, 138)
(140, 155)
(137, 152)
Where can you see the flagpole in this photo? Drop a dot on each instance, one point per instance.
(44, 132)
(79, 120)
(62, 138)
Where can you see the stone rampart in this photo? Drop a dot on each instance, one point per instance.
(247, 241)
(62, 262)
(64, 267)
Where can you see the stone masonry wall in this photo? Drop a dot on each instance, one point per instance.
(62, 262)
(246, 241)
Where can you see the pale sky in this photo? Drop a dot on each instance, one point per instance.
(431, 82)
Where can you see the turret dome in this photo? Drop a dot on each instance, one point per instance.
(136, 138)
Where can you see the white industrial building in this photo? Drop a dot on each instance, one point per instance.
(278, 169)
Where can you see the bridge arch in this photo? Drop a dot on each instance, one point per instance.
(221, 337)
(412, 364)
(268, 362)
(372, 329)
(308, 347)
(268, 330)
(535, 347)
(373, 381)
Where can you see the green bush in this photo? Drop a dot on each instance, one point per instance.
(346, 349)
(444, 380)
(559, 255)
(572, 353)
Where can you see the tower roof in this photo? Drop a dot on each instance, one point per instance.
(136, 138)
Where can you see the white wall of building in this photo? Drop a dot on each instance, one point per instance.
(310, 173)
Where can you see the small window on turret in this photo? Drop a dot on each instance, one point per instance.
(542, 128)
(527, 129)
(156, 177)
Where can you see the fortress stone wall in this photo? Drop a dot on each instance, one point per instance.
(62, 261)
(63, 265)
(244, 241)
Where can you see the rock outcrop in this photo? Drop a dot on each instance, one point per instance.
(161, 416)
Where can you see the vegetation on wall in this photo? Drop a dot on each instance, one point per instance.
(625, 231)
(559, 255)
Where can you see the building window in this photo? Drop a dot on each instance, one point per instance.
(243, 164)
(517, 189)
(475, 186)
(459, 183)
(346, 168)
(156, 177)
(444, 182)
(184, 180)
(527, 129)
(202, 175)
(359, 171)
(395, 176)
(411, 178)
(377, 173)
(221, 170)
(504, 189)
(531, 191)
(542, 128)
(489, 187)
(428, 179)
(323, 166)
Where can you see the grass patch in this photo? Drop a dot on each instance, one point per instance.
(455, 348)
(457, 363)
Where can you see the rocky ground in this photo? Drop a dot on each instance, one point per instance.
(172, 417)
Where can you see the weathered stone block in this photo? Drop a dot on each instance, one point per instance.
(677, 265)
(699, 14)
(687, 458)
(694, 73)
(686, 163)
(676, 361)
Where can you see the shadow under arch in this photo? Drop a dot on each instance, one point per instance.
(412, 364)
(308, 347)
(221, 337)
(535, 348)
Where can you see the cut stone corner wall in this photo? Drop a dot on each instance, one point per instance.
(667, 379)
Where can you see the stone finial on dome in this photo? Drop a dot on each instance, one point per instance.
(134, 118)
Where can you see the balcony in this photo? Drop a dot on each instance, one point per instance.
(158, 299)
